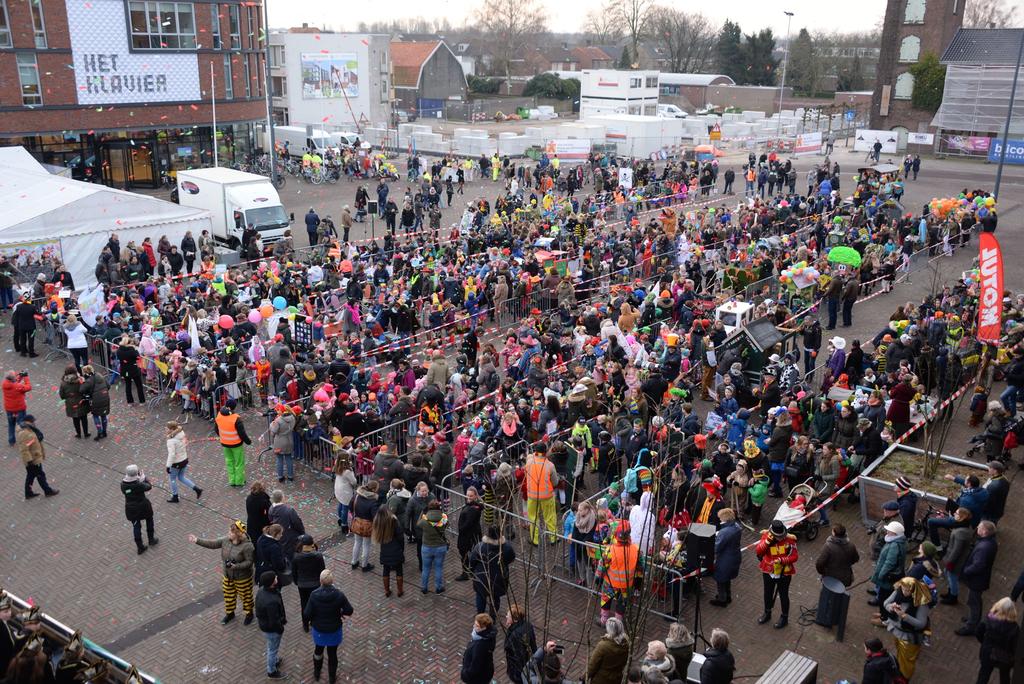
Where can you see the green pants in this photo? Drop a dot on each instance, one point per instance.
(234, 462)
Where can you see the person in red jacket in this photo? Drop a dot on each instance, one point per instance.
(777, 554)
(15, 387)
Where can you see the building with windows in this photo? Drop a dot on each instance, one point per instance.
(121, 91)
(910, 29)
(607, 91)
(330, 80)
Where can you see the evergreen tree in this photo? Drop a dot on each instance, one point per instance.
(728, 51)
(625, 61)
(756, 57)
(804, 70)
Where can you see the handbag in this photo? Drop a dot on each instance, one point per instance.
(362, 527)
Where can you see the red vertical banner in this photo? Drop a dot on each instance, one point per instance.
(990, 299)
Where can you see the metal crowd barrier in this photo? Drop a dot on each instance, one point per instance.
(99, 664)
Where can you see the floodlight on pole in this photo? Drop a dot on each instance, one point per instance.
(785, 63)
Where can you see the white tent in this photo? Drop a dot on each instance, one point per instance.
(47, 216)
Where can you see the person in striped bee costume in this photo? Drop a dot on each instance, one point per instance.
(237, 554)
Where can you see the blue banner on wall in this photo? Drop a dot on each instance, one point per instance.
(1014, 151)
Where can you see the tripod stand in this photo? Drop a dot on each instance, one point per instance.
(700, 571)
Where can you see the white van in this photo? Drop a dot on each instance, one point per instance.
(670, 111)
(299, 143)
(344, 139)
(235, 199)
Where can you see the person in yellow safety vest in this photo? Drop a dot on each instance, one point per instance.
(618, 572)
(233, 440)
(495, 167)
(555, 163)
(541, 482)
(317, 160)
(307, 159)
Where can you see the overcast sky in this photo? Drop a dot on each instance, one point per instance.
(752, 15)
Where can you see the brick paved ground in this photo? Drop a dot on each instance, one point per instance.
(74, 554)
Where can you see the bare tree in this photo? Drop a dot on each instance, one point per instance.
(688, 39)
(990, 14)
(511, 25)
(602, 27)
(634, 16)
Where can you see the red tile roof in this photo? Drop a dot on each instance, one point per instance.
(407, 59)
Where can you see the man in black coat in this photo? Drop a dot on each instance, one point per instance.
(24, 321)
(977, 574)
(879, 665)
(489, 561)
(998, 489)
(271, 617)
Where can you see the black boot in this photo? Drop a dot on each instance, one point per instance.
(720, 601)
(783, 621)
(765, 617)
(318, 666)
(173, 499)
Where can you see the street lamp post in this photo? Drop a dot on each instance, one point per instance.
(785, 63)
(1009, 114)
(269, 93)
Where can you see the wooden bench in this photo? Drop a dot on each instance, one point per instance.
(791, 668)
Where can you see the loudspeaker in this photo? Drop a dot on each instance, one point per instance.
(700, 541)
(371, 206)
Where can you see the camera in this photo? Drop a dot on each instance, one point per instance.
(559, 650)
(23, 374)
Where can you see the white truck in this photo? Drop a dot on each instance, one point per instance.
(236, 199)
(671, 111)
(298, 142)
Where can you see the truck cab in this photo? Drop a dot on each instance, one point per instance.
(235, 200)
(734, 315)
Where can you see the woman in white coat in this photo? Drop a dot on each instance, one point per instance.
(642, 524)
(78, 345)
(344, 488)
(177, 462)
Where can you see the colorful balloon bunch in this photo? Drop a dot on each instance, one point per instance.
(800, 275)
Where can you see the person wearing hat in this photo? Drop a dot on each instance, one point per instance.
(137, 507)
(777, 553)
(838, 556)
(281, 429)
(889, 567)
(618, 572)
(271, 616)
(24, 322)
(306, 568)
(907, 609)
(906, 499)
(29, 439)
(237, 555)
(233, 439)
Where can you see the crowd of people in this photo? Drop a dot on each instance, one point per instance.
(552, 344)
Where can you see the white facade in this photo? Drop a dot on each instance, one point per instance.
(607, 91)
(335, 81)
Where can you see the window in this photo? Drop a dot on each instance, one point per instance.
(277, 56)
(258, 75)
(652, 81)
(229, 81)
(904, 86)
(28, 73)
(5, 26)
(234, 27)
(162, 25)
(910, 49)
(279, 86)
(914, 13)
(248, 81)
(635, 82)
(250, 18)
(38, 27)
(215, 26)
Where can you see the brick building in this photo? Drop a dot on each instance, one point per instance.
(119, 90)
(911, 29)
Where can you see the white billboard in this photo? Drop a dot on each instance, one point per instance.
(329, 75)
(568, 148)
(808, 143)
(864, 140)
(108, 72)
(920, 138)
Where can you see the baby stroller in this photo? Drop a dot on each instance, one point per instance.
(802, 498)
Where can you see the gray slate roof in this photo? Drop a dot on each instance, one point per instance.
(984, 47)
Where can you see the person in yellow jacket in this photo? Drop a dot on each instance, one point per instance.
(233, 439)
(541, 482)
(618, 574)
(495, 168)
